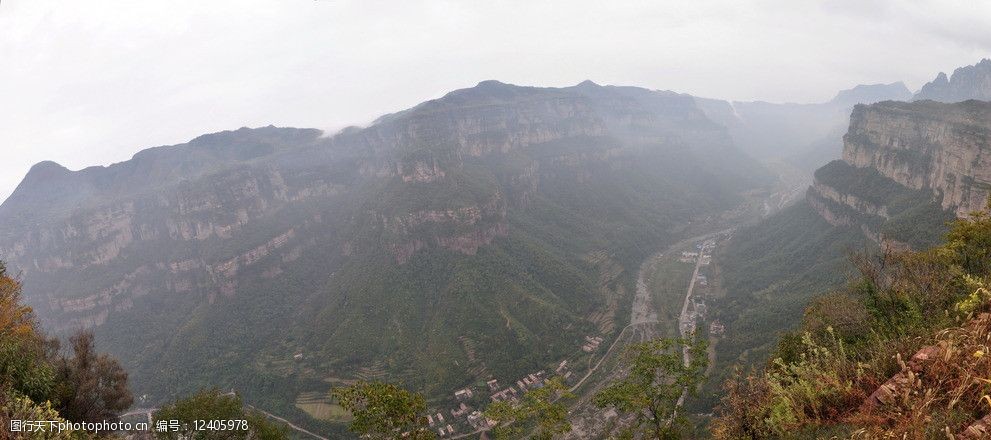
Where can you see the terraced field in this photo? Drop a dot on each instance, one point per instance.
(322, 406)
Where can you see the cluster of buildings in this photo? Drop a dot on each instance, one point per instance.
(445, 428)
(478, 420)
(506, 394)
(702, 252)
(474, 418)
(464, 414)
(437, 420)
(591, 344)
(697, 308)
(717, 328)
(532, 380)
(460, 410)
(562, 370)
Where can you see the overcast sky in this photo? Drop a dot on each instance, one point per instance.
(92, 82)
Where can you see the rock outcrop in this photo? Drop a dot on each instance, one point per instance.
(907, 168)
(942, 148)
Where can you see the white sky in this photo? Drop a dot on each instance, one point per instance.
(92, 82)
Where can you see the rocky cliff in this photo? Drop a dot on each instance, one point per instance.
(907, 168)
(942, 148)
(969, 82)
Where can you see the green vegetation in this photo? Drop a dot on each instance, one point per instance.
(322, 406)
(912, 216)
(773, 270)
(435, 248)
(667, 285)
(91, 386)
(38, 382)
(212, 406)
(770, 272)
(383, 411)
(657, 379)
(914, 322)
(540, 407)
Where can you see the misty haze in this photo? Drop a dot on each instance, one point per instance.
(445, 220)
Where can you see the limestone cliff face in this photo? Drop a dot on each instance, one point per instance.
(820, 192)
(944, 148)
(158, 243)
(463, 229)
(907, 169)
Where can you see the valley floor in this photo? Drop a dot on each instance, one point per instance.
(672, 288)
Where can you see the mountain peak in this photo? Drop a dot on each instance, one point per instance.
(968, 82)
(587, 83)
(46, 170)
(491, 84)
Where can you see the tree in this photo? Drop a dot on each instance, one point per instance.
(92, 387)
(24, 364)
(657, 380)
(539, 405)
(210, 405)
(36, 379)
(385, 411)
(21, 408)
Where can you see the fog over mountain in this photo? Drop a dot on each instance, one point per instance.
(437, 219)
(91, 83)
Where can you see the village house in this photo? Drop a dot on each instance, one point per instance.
(493, 385)
(460, 411)
(478, 421)
(463, 394)
(506, 394)
(591, 344)
(716, 328)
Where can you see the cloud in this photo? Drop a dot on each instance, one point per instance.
(89, 83)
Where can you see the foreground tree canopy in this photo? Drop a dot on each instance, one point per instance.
(210, 405)
(385, 411)
(652, 391)
(540, 407)
(40, 382)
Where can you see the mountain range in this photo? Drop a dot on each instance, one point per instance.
(482, 234)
